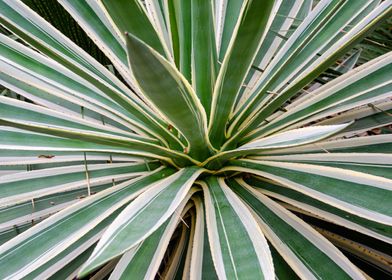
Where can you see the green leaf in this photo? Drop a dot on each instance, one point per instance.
(381, 144)
(24, 140)
(172, 95)
(323, 210)
(228, 13)
(34, 30)
(204, 57)
(137, 261)
(181, 30)
(290, 235)
(33, 66)
(143, 260)
(250, 30)
(71, 269)
(239, 249)
(358, 87)
(142, 217)
(255, 114)
(49, 238)
(282, 270)
(130, 16)
(33, 184)
(291, 138)
(359, 193)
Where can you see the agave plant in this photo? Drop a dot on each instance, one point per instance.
(223, 120)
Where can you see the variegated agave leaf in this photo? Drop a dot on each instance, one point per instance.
(224, 145)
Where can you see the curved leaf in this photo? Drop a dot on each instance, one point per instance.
(142, 217)
(48, 239)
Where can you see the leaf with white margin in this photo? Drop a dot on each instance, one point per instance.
(292, 138)
(362, 194)
(239, 249)
(143, 261)
(45, 241)
(309, 254)
(142, 217)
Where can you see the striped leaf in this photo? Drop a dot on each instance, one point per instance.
(131, 16)
(23, 140)
(373, 144)
(227, 14)
(248, 35)
(29, 185)
(204, 57)
(284, 23)
(91, 17)
(216, 127)
(290, 235)
(365, 84)
(180, 23)
(292, 138)
(34, 30)
(43, 242)
(363, 195)
(316, 68)
(148, 212)
(37, 68)
(134, 262)
(17, 111)
(238, 246)
(322, 210)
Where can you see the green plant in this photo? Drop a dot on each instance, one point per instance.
(188, 165)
